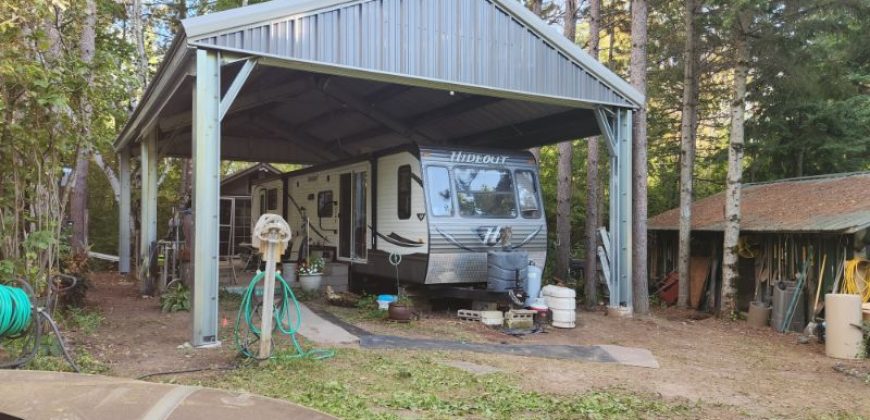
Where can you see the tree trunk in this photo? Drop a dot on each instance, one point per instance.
(79, 199)
(591, 266)
(687, 151)
(730, 273)
(134, 12)
(637, 74)
(109, 173)
(79, 204)
(564, 177)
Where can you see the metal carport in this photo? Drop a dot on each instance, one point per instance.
(312, 81)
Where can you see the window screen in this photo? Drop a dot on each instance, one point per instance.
(324, 204)
(404, 192)
(527, 192)
(438, 187)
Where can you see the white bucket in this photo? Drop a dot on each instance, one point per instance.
(563, 304)
(842, 339)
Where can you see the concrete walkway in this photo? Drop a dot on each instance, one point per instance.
(58, 395)
(319, 330)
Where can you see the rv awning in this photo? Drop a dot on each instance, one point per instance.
(332, 79)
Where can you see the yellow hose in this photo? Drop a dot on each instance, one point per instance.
(856, 278)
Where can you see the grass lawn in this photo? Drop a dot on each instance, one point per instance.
(370, 384)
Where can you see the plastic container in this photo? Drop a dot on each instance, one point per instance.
(384, 301)
(781, 300)
(563, 304)
(759, 314)
(533, 283)
(842, 339)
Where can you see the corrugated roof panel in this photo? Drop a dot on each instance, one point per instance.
(485, 43)
(830, 203)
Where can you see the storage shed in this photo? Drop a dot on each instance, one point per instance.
(819, 219)
(312, 81)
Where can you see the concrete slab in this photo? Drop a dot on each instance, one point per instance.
(321, 331)
(41, 395)
(631, 356)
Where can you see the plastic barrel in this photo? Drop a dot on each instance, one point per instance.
(502, 267)
(842, 339)
(781, 301)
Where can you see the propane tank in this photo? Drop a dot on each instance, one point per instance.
(533, 283)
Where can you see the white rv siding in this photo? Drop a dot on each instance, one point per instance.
(413, 228)
(304, 190)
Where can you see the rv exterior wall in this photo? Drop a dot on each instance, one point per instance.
(445, 246)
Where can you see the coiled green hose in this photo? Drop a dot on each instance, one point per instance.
(282, 322)
(15, 311)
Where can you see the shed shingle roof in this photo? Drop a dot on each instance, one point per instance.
(838, 203)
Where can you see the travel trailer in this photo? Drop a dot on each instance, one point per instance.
(440, 209)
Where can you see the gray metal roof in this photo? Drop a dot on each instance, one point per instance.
(357, 75)
(494, 44)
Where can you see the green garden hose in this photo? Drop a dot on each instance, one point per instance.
(282, 321)
(15, 311)
(17, 316)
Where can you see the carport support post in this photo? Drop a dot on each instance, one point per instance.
(206, 164)
(148, 210)
(624, 245)
(616, 126)
(124, 211)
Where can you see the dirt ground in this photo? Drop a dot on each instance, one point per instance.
(730, 369)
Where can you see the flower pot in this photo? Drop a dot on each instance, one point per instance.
(400, 312)
(310, 282)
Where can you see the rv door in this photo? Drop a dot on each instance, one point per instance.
(352, 207)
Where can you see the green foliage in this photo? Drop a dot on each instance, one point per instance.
(810, 91)
(368, 309)
(82, 320)
(312, 265)
(176, 298)
(361, 384)
(305, 296)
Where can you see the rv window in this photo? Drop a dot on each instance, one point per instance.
(438, 187)
(527, 192)
(485, 192)
(272, 199)
(324, 204)
(404, 192)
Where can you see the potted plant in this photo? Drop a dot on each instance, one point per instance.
(401, 309)
(310, 272)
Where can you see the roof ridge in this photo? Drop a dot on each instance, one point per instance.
(809, 178)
